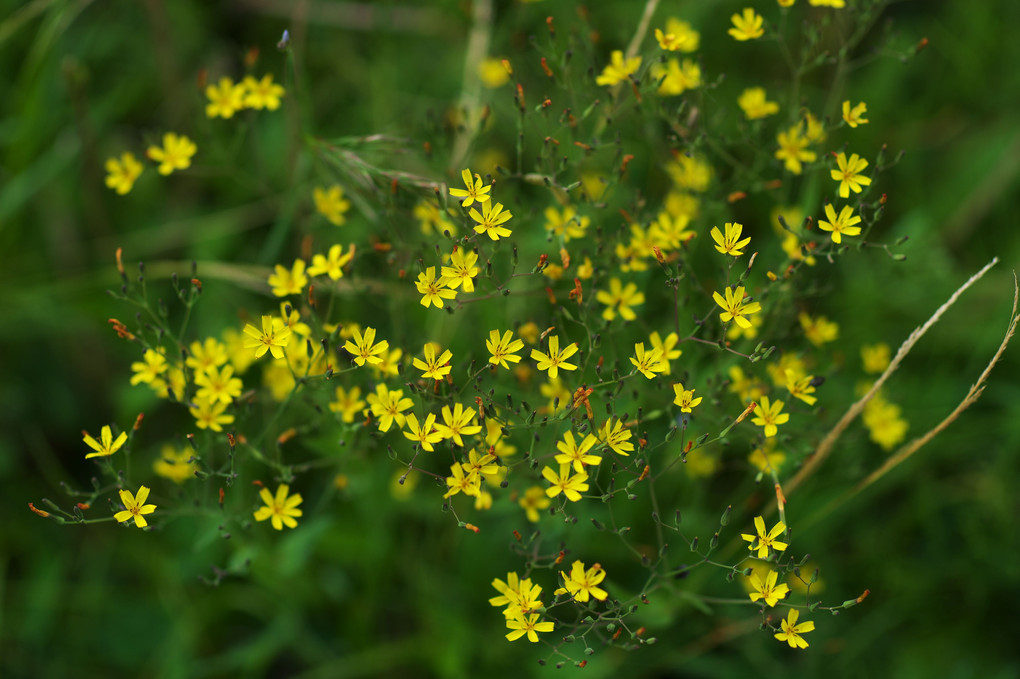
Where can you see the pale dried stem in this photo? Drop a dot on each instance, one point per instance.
(642, 29)
(826, 445)
(976, 389)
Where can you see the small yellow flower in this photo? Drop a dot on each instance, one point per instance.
(734, 307)
(492, 73)
(801, 387)
(281, 509)
(685, 398)
(755, 105)
(475, 190)
(331, 204)
(224, 99)
(793, 149)
(522, 624)
(849, 174)
(835, 4)
(819, 330)
(577, 454)
(555, 359)
(457, 423)
(175, 154)
(730, 243)
(765, 540)
(677, 78)
(566, 223)
(388, 406)
(533, 501)
(503, 348)
(176, 465)
(583, 584)
(209, 414)
(770, 416)
(347, 403)
(425, 434)
(434, 367)
(121, 174)
(263, 93)
(841, 225)
(109, 445)
(288, 281)
(689, 39)
(135, 507)
(491, 220)
(331, 264)
(570, 486)
(667, 347)
(616, 436)
(792, 632)
(434, 290)
(875, 357)
(273, 338)
(462, 269)
(364, 347)
(618, 69)
(767, 589)
(854, 116)
(647, 362)
(746, 26)
(149, 369)
(620, 299)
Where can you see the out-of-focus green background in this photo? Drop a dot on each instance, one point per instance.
(369, 587)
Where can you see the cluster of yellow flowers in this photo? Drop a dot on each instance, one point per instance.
(177, 150)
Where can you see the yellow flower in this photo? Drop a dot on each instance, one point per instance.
(458, 482)
(492, 73)
(754, 104)
(533, 501)
(209, 414)
(331, 204)
(521, 625)
(332, 264)
(388, 406)
(462, 269)
(135, 507)
(434, 367)
(801, 387)
(647, 363)
(819, 330)
(224, 99)
(618, 70)
(474, 192)
(730, 244)
(620, 299)
(176, 465)
(280, 509)
(555, 359)
(364, 348)
(842, 225)
(263, 93)
(152, 365)
(218, 385)
(175, 154)
(491, 221)
(425, 434)
(434, 290)
(583, 584)
(205, 355)
(849, 174)
(885, 423)
(765, 458)
(273, 338)
(765, 540)
(792, 632)
(793, 149)
(503, 348)
(109, 446)
(457, 423)
(746, 26)
(570, 486)
(875, 357)
(289, 282)
(767, 589)
(688, 38)
(813, 128)
(734, 307)
(566, 223)
(616, 436)
(770, 416)
(835, 4)
(432, 219)
(666, 346)
(854, 116)
(121, 174)
(671, 42)
(685, 398)
(347, 403)
(677, 78)
(577, 454)
(786, 3)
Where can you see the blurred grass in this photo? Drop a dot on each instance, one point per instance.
(365, 587)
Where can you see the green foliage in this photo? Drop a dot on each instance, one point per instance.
(383, 581)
